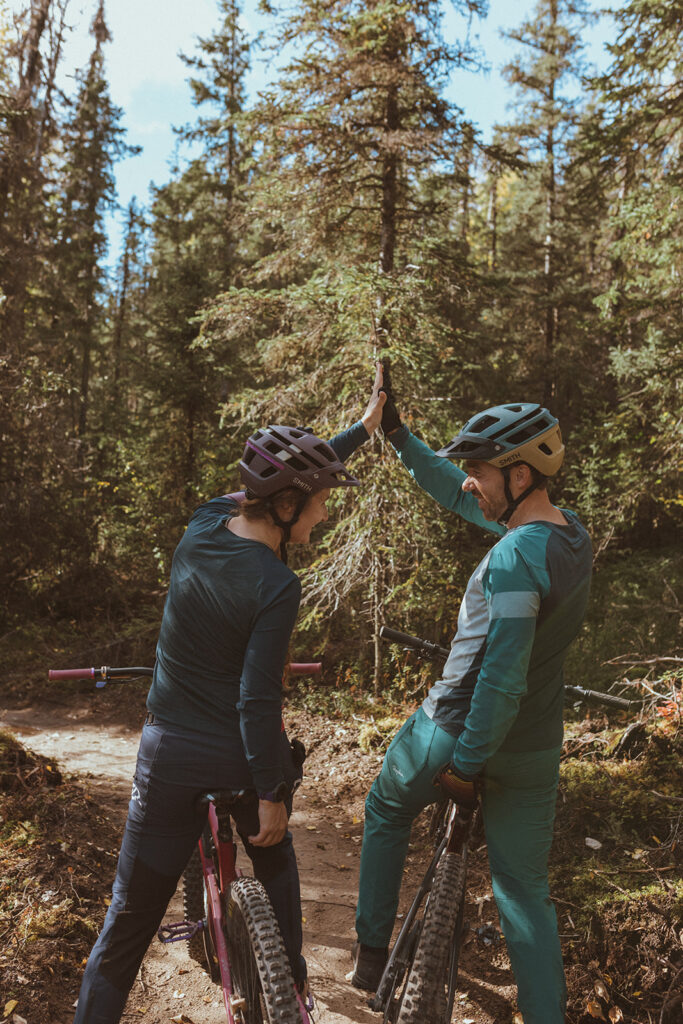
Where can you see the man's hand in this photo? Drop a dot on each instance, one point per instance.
(463, 792)
(273, 823)
(390, 418)
(372, 417)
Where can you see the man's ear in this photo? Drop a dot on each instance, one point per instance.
(523, 476)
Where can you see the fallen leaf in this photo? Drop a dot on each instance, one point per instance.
(311, 828)
(356, 821)
(593, 844)
(615, 1015)
(518, 1019)
(595, 1009)
(600, 990)
(141, 1009)
(16, 1019)
(9, 1006)
(178, 994)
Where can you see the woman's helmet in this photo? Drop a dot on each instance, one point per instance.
(506, 434)
(278, 457)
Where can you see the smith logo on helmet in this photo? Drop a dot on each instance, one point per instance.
(505, 460)
(298, 482)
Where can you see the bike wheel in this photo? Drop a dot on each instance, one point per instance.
(195, 908)
(260, 968)
(430, 988)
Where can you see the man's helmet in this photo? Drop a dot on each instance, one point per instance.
(278, 457)
(506, 434)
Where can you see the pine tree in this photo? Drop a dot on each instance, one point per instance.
(630, 150)
(93, 140)
(536, 243)
(352, 147)
(194, 251)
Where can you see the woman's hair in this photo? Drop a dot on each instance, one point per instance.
(260, 508)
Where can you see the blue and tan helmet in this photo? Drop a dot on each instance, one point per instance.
(505, 434)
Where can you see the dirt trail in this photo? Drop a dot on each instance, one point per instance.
(327, 826)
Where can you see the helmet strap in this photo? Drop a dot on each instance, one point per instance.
(514, 503)
(286, 524)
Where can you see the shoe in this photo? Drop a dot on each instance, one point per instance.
(368, 965)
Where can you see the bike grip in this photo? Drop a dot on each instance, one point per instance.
(71, 673)
(387, 633)
(305, 668)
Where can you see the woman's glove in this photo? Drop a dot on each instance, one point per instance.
(390, 418)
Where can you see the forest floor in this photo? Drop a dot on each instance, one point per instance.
(66, 762)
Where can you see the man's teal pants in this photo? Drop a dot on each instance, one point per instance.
(518, 803)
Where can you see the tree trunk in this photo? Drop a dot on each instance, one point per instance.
(551, 310)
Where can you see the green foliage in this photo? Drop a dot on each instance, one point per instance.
(633, 617)
(621, 902)
(347, 213)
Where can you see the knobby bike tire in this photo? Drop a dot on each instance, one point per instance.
(200, 946)
(260, 967)
(430, 988)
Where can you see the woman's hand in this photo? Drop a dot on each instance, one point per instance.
(372, 417)
(273, 821)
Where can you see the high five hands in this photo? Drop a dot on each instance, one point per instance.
(381, 409)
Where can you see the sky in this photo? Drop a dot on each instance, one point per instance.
(148, 80)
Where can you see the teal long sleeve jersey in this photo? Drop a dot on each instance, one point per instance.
(227, 622)
(502, 686)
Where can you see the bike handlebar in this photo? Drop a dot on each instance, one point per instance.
(104, 674)
(414, 643)
(435, 652)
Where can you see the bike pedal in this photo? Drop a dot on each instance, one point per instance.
(181, 930)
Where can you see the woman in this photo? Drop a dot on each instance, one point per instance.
(214, 707)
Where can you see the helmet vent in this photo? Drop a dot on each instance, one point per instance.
(525, 434)
(483, 423)
(545, 449)
(326, 452)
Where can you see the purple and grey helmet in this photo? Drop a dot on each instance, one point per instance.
(278, 457)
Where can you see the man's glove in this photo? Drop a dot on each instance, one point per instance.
(464, 792)
(390, 417)
(298, 752)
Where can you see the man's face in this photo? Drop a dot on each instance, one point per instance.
(487, 484)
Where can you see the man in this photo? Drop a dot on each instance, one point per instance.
(493, 722)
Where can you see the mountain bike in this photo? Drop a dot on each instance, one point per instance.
(419, 981)
(229, 924)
